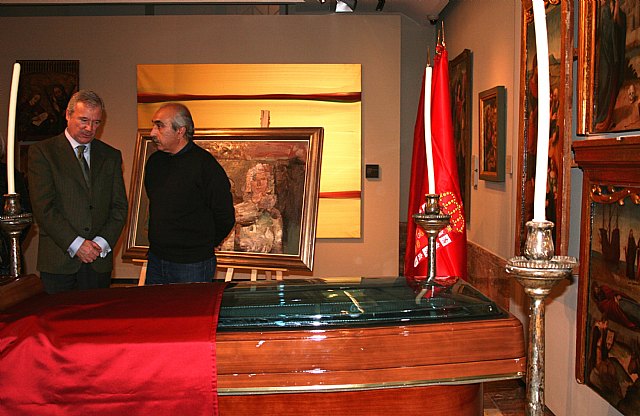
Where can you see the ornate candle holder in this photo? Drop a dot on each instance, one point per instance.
(538, 272)
(432, 222)
(13, 221)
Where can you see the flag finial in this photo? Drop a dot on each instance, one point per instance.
(428, 56)
(442, 33)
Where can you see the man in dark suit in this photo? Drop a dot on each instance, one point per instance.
(78, 200)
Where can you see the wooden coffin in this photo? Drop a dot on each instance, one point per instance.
(359, 368)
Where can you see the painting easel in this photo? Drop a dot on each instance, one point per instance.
(254, 272)
(268, 272)
(143, 272)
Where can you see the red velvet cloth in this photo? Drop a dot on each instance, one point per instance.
(122, 351)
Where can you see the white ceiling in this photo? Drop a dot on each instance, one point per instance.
(419, 10)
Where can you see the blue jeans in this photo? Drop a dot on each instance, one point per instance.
(160, 272)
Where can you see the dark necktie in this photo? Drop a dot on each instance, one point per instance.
(83, 163)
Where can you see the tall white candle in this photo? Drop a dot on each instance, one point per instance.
(427, 129)
(11, 140)
(542, 153)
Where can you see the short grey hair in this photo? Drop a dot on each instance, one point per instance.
(87, 97)
(181, 118)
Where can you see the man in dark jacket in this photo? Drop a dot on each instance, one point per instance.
(190, 202)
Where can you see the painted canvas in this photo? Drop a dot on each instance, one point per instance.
(609, 86)
(560, 41)
(44, 92)
(274, 175)
(295, 95)
(612, 342)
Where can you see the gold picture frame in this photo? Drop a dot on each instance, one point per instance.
(291, 156)
(608, 84)
(608, 309)
(559, 17)
(492, 112)
(460, 86)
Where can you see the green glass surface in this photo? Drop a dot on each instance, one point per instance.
(326, 303)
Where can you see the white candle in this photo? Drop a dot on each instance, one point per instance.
(427, 129)
(542, 154)
(11, 140)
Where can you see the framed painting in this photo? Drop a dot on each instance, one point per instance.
(609, 79)
(460, 87)
(608, 327)
(275, 181)
(560, 40)
(43, 94)
(492, 112)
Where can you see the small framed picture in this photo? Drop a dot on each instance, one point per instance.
(492, 110)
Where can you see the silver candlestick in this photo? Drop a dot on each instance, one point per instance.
(538, 272)
(13, 221)
(432, 222)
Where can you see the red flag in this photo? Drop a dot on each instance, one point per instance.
(451, 251)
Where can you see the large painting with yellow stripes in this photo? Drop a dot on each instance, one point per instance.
(294, 95)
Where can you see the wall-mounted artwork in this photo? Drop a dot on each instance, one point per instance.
(492, 112)
(608, 327)
(612, 322)
(43, 94)
(609, 79)
(274, 174)
(559, 17)
(460, 85)
(296, 95)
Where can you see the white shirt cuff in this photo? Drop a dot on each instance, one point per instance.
(106, 249)
(73, 248)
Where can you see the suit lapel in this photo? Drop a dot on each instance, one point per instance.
(97, 161)
(68, 158)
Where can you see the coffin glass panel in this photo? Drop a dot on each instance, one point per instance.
(322, 303)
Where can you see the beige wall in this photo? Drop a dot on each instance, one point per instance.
(110, 47)
(492, 36)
